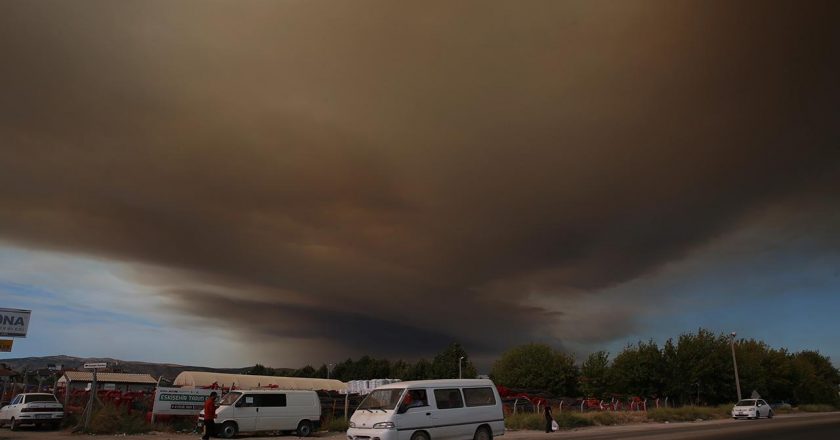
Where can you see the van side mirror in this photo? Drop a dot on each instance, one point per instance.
(402, 409)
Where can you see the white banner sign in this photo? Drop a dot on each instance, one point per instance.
(14, 322)
(95, 365)
(180, 401)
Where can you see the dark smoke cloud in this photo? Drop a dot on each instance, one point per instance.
(348, 169)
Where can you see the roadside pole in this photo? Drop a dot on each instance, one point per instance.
(93, 389)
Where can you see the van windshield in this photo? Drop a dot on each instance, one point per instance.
(230, 398)
(382, 399)
(746, 403)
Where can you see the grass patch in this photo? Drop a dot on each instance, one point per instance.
(536, 422)
(604, 419)
(177, 424)
(688, 413)
(569, 420)
(113, 420)
(816, 408)
(336, 425)
(532, 421)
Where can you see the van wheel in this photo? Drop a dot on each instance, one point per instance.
(483, 433)
(420, 436)
(304, 429)
(12, 424)
(228, 430)
(770, 414)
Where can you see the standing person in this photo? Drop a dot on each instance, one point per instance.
(548, 417)
(210, 417)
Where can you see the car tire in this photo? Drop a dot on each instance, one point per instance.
(770, 414)
(483, 433)
(229, 429)
(304, 428)
(12, 424)
(420, 436)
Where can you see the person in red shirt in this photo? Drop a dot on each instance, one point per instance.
(210, 416)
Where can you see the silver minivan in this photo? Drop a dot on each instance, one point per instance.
(449, 409)
(267, 410)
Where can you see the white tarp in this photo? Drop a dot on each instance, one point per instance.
(366, 386)
(179, 401)
(201, 379)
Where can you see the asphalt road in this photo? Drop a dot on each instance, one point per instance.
(785, 427)
(824, 426)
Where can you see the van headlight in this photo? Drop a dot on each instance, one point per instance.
(383, 425)
(352, 424)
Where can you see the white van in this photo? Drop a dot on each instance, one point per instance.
(267, 410)
(450, 409)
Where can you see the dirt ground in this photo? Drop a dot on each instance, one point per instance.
(26, 433)
(622, 431)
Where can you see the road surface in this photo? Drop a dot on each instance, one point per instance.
(783, 427)
(822, 426)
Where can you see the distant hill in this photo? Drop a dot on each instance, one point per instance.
(168, 371)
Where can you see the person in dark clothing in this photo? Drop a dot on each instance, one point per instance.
(548, 417)
(210, 416)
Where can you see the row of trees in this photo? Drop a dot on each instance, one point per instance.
(444, 365)
(696, 368)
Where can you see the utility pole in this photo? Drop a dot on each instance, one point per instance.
(459, 367)
(735, 364)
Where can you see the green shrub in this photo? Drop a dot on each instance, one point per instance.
(336, 425)
(816, 408)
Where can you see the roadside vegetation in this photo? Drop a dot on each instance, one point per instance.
(691, 369)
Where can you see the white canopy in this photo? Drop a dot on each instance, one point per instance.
(201, 379)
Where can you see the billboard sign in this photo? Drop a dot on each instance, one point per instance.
(14, 322)
(180, 401)
(95, 365)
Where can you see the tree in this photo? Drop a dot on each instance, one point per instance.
(594, 374)
(260, 370)
(815, 378)
(639, 370)
(698, 369)
(445, 364)
(537, 367)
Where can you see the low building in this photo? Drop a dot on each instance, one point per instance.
(81, 380)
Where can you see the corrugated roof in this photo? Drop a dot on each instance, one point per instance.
(86, 376)
(200, 379)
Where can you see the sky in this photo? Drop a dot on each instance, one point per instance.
(227, 183)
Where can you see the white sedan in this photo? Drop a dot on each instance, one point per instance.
(39, 409)
(752, 409)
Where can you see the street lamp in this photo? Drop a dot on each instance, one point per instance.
(329, 367)
(735, 364)
(459, 366)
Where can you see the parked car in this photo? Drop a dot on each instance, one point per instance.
(267, 410)
(38, 409)
(450, 409)
(752, 409)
